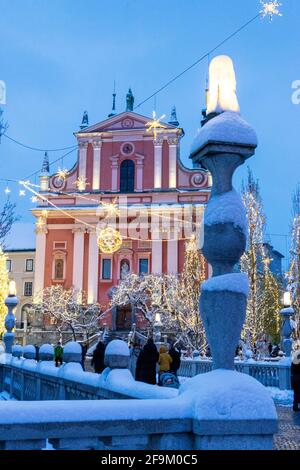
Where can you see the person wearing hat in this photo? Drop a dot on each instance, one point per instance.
(295, 379)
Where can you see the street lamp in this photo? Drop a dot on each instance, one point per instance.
(157, 330)
(11, 302)
(286, 328)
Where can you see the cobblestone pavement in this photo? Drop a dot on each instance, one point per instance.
(288, 437)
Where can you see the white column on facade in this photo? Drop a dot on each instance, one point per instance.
(172, 256)
(97, 165)
(78, 254)
(40, 258)
(114, 173)
(157, 245)
(82, 159)
(93, 266)
(158, 144)
(139, 173)
(173, 143)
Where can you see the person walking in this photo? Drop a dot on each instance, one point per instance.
(146, 363)
(295, 379)
(58, 354)
(84, 349)
(175, 354)
(98, 358)
(164, 362)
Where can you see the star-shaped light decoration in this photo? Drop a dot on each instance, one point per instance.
(154, 124)
(81, 183)
(270, 9)
(7, 190)
(40, 222)
(111, 208)
(62, 173)
(22, 193)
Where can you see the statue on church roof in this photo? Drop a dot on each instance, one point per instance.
(129, 100)
(85, 120)
(46, 165)
(173, 118)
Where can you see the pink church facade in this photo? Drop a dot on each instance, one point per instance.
(119, 162)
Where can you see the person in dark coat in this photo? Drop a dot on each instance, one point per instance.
(146, 363)
(176, 356)
(295, 379)
(84, 349)
(98, 358)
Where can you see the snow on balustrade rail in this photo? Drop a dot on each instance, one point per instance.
(269, 374)
(29, 380)
(105, 425)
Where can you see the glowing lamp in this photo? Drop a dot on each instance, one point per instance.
(287, 299)
(157, 317)
(221, 95)
(12, 289)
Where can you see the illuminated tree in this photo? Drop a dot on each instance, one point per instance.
(270, 303)
(294, 269)
(262, 315)
(185, 299)
(250, 259)
(68, 310)
(175, 298)
(3, 290)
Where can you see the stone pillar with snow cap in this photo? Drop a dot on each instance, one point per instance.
(223, 143)
(72, 352)
(29, 352)
(46, 352)
(117, 355)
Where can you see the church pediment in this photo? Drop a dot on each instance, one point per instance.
(121, 122)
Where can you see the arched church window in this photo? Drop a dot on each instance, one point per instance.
(127, 171)
(59, 268)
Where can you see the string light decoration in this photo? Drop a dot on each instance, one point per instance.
(109, 240)
(111, 208)
(81, 183)
(262, 315)
(293, 275)
(34, 199)
(62, 173)
(154, 124)
(270, 9)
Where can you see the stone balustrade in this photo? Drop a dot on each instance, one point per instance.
(272, 374)
(23, 378)
(67, 408)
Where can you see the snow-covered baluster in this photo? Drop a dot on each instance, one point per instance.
(222, 144)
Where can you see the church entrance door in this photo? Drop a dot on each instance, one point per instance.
(124, 315)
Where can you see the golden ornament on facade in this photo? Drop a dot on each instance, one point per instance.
(109, 240)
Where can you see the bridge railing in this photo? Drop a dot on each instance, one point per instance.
(270, 374)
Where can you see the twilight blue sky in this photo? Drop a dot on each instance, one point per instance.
(61, 57)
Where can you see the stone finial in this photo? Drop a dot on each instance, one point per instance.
(46, 352)
(117, 355)
(173, 118)
(113, 109)
(85, 120)
(72, 352)
(29, 352)
(129, 100)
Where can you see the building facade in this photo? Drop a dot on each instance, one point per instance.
(21, 269)
(129, 178)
